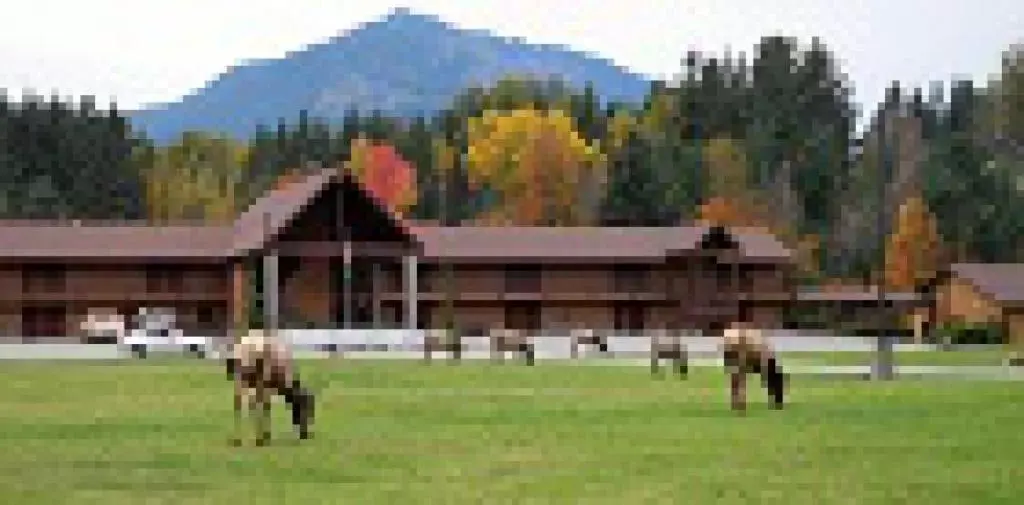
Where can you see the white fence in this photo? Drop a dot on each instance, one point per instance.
(401, 343)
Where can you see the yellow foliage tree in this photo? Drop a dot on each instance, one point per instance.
(195, 179)
(538, 163)
(913, 246)
(732, 202)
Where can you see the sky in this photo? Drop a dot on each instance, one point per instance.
(150, 51)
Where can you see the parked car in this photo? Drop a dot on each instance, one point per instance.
(154, 329)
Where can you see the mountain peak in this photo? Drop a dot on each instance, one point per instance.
(403, 16)
(403, 64)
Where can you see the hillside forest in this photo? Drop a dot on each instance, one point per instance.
(937, 175)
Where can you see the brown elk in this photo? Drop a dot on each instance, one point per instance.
(260, 366)
(506, 340)
(587, 337)
(744, 351)
(441, 340)
(669, 347)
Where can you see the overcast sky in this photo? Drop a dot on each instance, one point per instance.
(145, 51)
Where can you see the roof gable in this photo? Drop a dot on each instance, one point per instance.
(1003, 282)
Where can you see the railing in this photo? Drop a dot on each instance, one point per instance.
(552, 342)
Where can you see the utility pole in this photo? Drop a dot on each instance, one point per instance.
(448, 313)
(882, 368)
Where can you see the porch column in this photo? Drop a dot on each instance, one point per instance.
(239, 321)
(411, 289)
(377, 288)
(346, 289)
(271, 293)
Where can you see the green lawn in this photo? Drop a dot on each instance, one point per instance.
(915, 358)
(402, 432)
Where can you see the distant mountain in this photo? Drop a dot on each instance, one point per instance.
(405, 64)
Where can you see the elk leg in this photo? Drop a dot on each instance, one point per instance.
(528, 350)
(236, 438)
(684, 366)
(738, 390)
(260, 406)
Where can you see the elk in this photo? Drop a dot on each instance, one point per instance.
(440, 340)
(259, 366)
(669, 347)
(744, 351)
(588, 337)
(505, 340)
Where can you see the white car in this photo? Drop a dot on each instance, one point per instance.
(154, 330)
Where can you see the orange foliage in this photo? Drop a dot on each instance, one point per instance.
(384, 174)
(912, 250)
(724, 212)
(287, 178)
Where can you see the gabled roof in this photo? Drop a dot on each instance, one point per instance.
(65, 240)
(1003, 282)
(56, 239)
(581, 242)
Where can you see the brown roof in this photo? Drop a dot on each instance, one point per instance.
(854, 294)
(266, 217)
(64, 240)
(1004, 282)
(580, 242)
(270, 213)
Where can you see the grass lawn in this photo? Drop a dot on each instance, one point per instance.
(402, 432)
(982, 357)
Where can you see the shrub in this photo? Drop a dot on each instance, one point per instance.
(971, 334)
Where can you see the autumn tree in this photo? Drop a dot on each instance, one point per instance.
(912, 250)
(731, 201)
(544, 171)
(384, 174)
(195, 179)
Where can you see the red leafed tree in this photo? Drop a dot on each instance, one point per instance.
(383, 172)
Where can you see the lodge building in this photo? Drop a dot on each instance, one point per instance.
(535, 278)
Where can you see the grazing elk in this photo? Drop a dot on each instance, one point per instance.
(441, 340)
(745, 351)
(505, 340)
(669, 347)
(260, 366)
(587, 337)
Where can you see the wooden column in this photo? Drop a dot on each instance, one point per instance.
(377, 288)
(346, 317)
(239, 301)
(411, 290)
(271, 293)
(271, 286)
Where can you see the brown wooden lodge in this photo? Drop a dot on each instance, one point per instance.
(534, 278)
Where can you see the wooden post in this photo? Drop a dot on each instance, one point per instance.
(271, 287)
(882, 368)
(411, 290)
(377, 288)
(271, 295)
(239, 300)
(347, 285)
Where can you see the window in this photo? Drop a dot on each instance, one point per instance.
(522, 278)
(630, 279)
(47, 321)
(393, 278)
(428, 278)
(522, 316)
(163, 279)
(629, 317)
(44, 278)
(748, 277)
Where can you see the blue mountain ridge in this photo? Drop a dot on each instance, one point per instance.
(404, 65)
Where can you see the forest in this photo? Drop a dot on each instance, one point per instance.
(771, 141)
